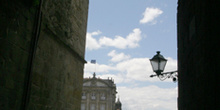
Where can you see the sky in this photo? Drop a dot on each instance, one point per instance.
(122, 35)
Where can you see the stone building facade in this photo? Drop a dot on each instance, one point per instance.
(198, 54)
(42, 47)
(98, 94)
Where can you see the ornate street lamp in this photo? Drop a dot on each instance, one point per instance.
(158, 63)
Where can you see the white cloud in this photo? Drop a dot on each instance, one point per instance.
(91, 43)
(98, 68)
(150, 14)
(118, 57)
(87, 74)
(131, 41)
(171, 65)
(136, 68)
(130, 70)
(148, 98)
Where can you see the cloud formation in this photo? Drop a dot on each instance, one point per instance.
(130, 41)
(150, 14)
(149, 97)
(132, 72)
(99, 68)
(116, 57)
(133, 69)
(91, 42)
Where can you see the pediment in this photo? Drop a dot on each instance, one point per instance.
(95, 83)
(101, 84)
(88, 83)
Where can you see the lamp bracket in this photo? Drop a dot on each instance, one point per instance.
(165, 75)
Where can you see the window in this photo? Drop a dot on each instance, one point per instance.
(102, 107)
(93, 96)
(83, 95)
(102, 96)
(92, 107)
(83, 106)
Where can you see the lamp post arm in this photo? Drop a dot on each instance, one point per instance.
(172, 72)
(166, 75)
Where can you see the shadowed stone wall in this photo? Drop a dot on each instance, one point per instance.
(17, 18)
(57, 74)
(198, 54)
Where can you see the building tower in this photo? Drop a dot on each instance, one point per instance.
(118, 105)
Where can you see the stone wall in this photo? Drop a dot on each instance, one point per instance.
(16, 30)
(198, 54)
(57, 74)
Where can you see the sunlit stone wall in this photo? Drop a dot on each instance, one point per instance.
(58, 66)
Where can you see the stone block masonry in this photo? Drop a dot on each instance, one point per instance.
(16, 28)
(57, 73)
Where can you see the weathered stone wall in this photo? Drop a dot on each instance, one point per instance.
(67, 20)
(198, 54)
(59, 62)
(56, 80)
(16, 29)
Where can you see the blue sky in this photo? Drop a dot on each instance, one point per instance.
(122, 35)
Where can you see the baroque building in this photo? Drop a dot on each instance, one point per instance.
(98, 94)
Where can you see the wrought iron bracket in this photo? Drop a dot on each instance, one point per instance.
(163, 76)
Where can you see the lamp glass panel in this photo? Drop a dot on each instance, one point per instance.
(162, 65)
(154, 65)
